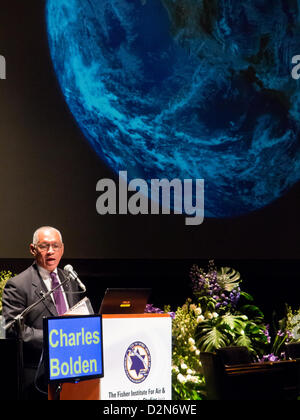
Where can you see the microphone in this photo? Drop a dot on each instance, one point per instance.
(68, 269)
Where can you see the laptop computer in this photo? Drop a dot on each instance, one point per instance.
(124, 301)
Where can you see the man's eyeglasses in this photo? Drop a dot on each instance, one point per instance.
(46, 247)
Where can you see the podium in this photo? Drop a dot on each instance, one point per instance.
(137, 359)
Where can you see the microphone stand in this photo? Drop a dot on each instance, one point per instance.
(18, 321)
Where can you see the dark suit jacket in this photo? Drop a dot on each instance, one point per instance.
(22, 291)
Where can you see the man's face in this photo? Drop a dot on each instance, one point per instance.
(48, 250)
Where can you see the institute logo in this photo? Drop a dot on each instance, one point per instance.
(137, 362)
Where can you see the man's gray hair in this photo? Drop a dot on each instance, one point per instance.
(35, 238)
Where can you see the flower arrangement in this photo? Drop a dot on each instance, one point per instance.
(4, 276)
(228, 317)
(187, 376)
(288, 331)
(218, 314)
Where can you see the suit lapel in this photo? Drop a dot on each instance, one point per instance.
(39, 288)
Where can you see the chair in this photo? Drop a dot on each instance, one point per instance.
(230, 374)
(292, 350)
(234, 355)
(213, 373)
(213, 365)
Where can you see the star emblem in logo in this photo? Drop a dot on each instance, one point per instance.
(137, 362)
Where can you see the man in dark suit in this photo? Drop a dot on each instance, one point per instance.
(27, 287)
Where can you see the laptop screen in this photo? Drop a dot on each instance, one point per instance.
(125, 301)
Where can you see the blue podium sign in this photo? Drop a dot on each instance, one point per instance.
(73, 348)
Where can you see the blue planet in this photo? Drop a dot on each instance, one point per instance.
(188, 89)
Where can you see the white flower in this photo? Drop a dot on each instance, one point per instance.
(194, 379)
(191, 341)
(193, 348)
(215, 315)
(198, 311)
(200, 318)
(175, 369)
(181, 378)
(183, 366)
(190, 372)
(197, 352)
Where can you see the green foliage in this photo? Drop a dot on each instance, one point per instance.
(288, 331)
(230, 318)
(218, 315)
(228, 278)
(231, 330)
(291, 323)
(4, 276)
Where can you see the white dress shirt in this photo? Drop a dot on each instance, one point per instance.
(45, 274)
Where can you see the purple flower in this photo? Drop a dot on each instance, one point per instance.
(267, 333)
(207, 284)
(269, 358)
(152, 309)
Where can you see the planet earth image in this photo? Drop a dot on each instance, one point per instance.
(186, 89)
